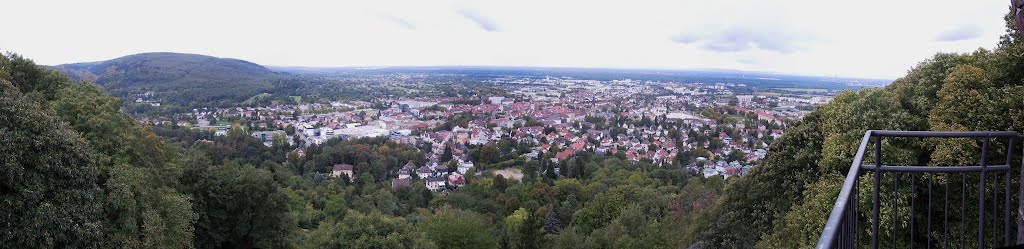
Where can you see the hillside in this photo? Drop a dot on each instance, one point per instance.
(175, 77)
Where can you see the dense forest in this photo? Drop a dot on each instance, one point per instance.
(180, 79)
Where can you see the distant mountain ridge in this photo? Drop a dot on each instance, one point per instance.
(752, 78)
(184, 77)
(192, 79)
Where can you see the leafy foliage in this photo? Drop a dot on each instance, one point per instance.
(374, 230)
(238, 207)
(48, 187)
(454, 228)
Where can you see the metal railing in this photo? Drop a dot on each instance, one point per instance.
(842, 228)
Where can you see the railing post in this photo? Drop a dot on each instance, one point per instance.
(1020, 203)
(1006, 194)
(878, 171)
(981, 195)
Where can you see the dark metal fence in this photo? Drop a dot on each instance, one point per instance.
(843, 227)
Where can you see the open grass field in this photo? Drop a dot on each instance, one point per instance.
(768, 94)
(813, 90)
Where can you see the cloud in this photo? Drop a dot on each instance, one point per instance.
(965, 32)
(749, 61)
(482, 21)
(684, 38)
(744, 37)
(401, 22)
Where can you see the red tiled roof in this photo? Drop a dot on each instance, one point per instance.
(565, 154)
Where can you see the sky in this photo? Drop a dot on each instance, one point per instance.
(863, 38)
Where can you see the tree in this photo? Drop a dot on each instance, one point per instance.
(563, 168)
(364, 231)
(530, 171)
(599, 212)
(279, 140)
(41, 154)
(549, 169)
(238, 206)
(454, 228)
(489, 154)
(289, 130)
(580, 169)
(805, 167)
(552, 224)
(447, 154)
(521, 230)
(736, 155)
(141, 208)
(33, 81)
(452, 166)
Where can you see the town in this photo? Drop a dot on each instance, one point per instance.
(711, 129)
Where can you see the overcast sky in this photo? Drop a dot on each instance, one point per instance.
(855, 38)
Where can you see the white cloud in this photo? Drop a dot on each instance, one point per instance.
(481, 20)
(870, 38)
(961, 33)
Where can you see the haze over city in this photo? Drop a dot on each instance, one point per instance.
(874, 39)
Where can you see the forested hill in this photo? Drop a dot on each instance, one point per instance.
(785, 201)
(176, 77)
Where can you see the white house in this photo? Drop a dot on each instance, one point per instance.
(435, 183)
(340, 169)
(464, 166)
(424, 172)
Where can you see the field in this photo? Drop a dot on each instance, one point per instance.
(811, 90)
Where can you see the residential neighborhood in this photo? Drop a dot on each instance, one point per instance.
(703, 127)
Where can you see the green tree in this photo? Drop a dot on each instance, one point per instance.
(563, 168)
(488, 154)
(972, 91)
(373, 230)
(736, 155)
(549, 170)
(238, 206)
(278, 140)
(33, 81)
(599, 212)
(48, 187)
(580, 168)
(141, 206)
(452, 166)
(447, 154)
(522, 230)
(453, 228)
(530, 170)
